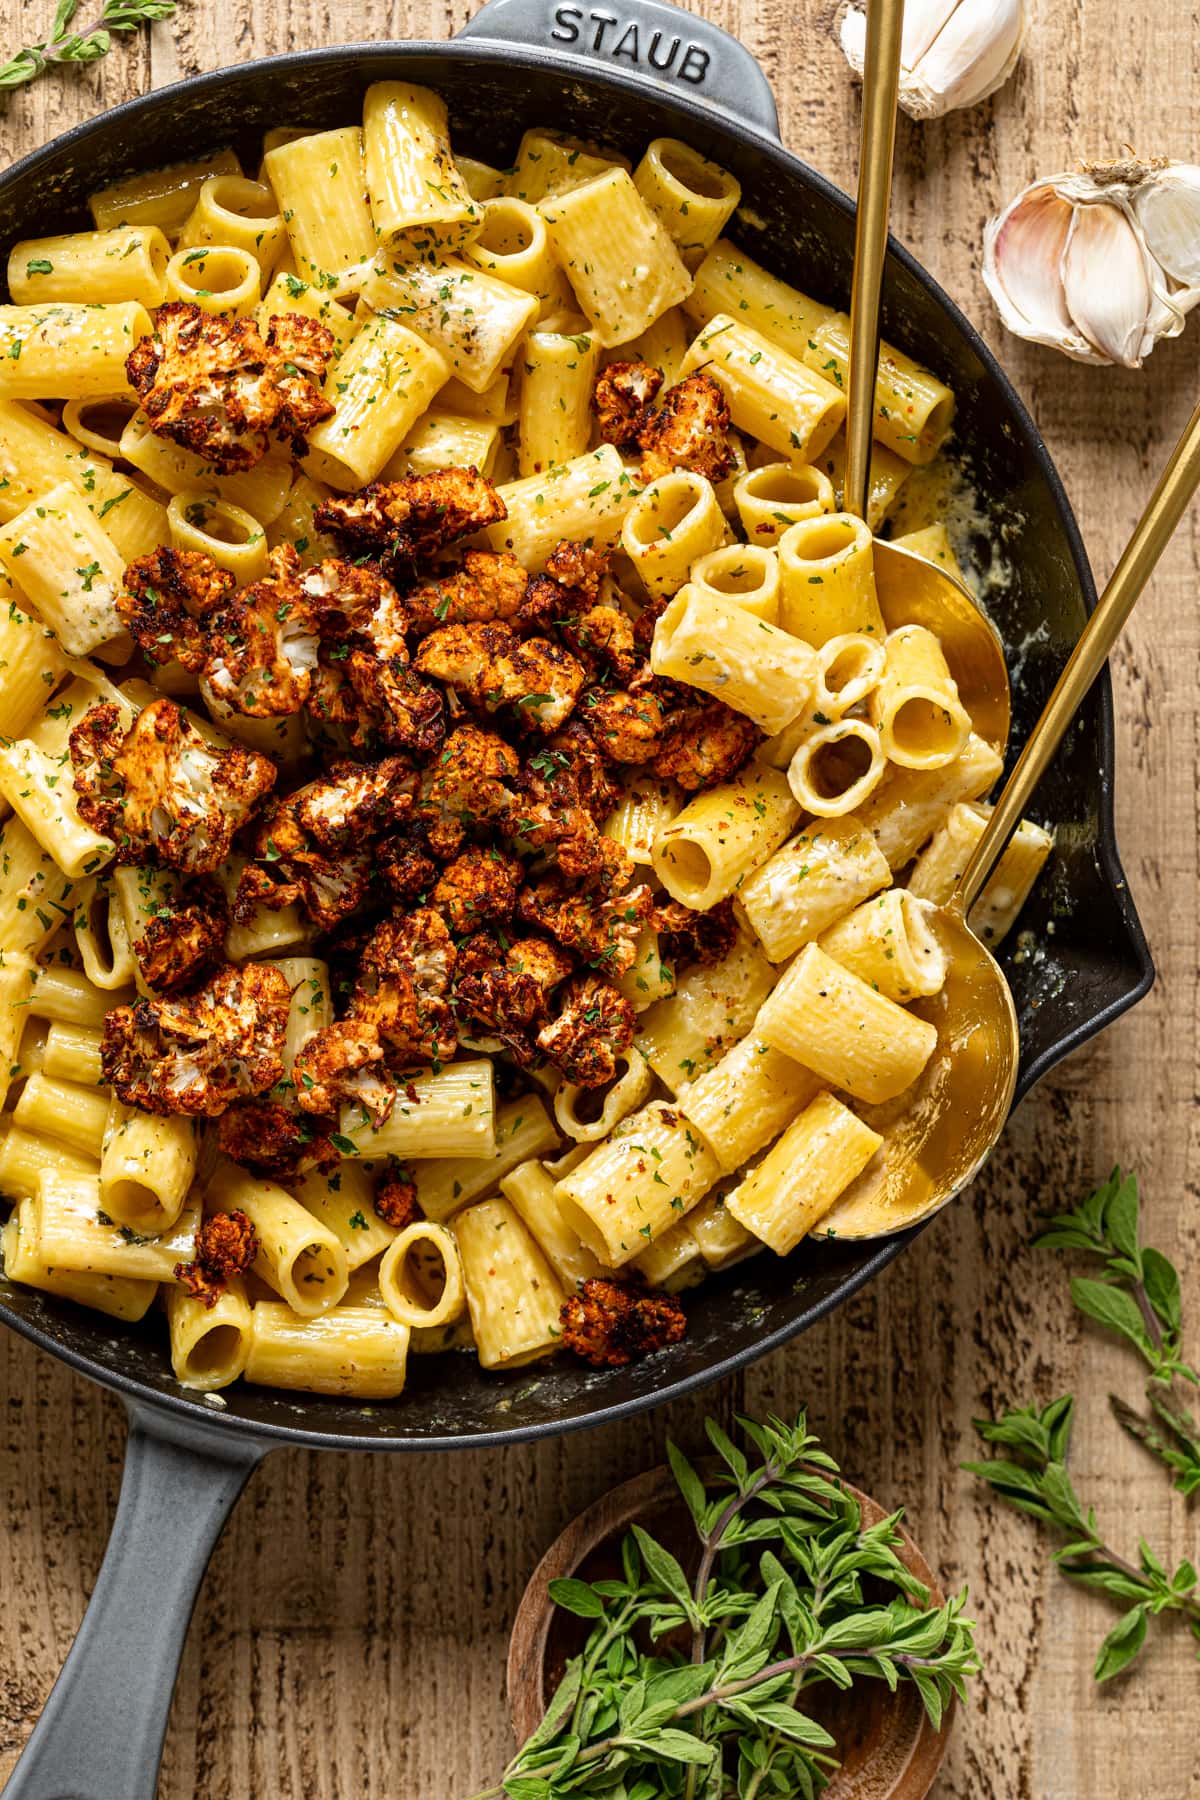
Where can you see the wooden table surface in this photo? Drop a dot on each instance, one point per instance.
(351, 1632)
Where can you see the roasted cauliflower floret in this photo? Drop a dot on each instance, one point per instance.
(627, 727)
(414, 517)
(596, 784)
(492, 667)
(216, 386)
(197, 1055)
(226, 1245)
(406, 865)
(489, 585)
(183, 939)
(168, 597)
(263, 646)
(704, 745)
(610, 1323)
(471, 783)
(600, 932)
(302, 348)
(578, 569)
(274, 1139)
(622, 399)
(547, 813)
(314, 847)
(602, 637)
(694, 937)
(363, 622)
(478, 888)
(507, 989)
(344, 1061)
(689, 430)
(403, 987)
(592, 1031)
(396, 1199)
(162, 787)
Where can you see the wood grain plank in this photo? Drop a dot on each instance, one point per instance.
(349, 1638)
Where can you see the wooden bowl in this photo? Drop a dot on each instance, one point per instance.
(887, 1746)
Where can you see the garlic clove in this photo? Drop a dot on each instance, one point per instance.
(1105, 283)
(1167, 205)
(953, 52)
(974, 54)
(1022, 268)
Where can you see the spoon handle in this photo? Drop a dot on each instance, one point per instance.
(881, 84)
(1166, 506)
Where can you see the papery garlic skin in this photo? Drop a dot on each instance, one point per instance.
(1099, 264)
(953, 53)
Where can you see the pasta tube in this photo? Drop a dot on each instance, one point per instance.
(382, 384)
(36, 787)
(261, 491)
(444, 440)
(297, 1255)
(71, 1230)
(797, 1182)
(210, 1344)
(549, 163)
(72, 1053)
(720, 1238)
(636, 1185)
(320, 185)
(91, 267)
(228, 534)
(746, 1099)
(585, 500)
(621, 263)
(68, 998)
(523, 1128)
(25, 1157)
(709, 848)
(31, 664)
(746, 575)
(470, 318)
(909, 804)
(889, 944)
(35, 895)
(68, 352)
(287, 293)
(719, 647)
(419, 199)
(915, 707)
(71, 570)
(147, 1166)
(843, 1030)
(514, 246)
(775, 496)
(576, 1110)
(447, 1113)
(771, 395)
(513, 1294)
(647, 806)
(345, 1202)
(672, 1262)
(810, 883)
(242, 214)
(558, 374)
(218, 278)
(424, 1255)
(710, 1010)
(693, 197)
(940, 867)
(59, 1109)
(668, 527)
(359, 1352)
(531, 1190)
(827, 579)
(836, 767)
(119, 1296)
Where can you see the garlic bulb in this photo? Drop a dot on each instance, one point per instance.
(953, 52)
(1099, 264)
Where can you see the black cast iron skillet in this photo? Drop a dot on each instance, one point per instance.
(622, 73)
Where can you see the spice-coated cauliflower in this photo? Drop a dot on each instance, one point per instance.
(492, 667)
(704, 745)
(688, 430)
(593, 1030)
(168, 597)
(273, 1138)
(622, 399)
(406, 520)
(218, 387)
(262, 645)
(183, 938)
(487, 585)
(471, 783)
(344, 1061)
(162, 788)
(610, 1323)
(602, 933)
(197, 1055)
(506, 988)
(403, 987)
(478, 888)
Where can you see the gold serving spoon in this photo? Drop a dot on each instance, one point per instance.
(938, 1133)
(911, 590)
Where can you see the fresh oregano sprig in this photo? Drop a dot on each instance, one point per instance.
(1034, 1479)
(693, 1688)
(1138, 1296)
(67, 46)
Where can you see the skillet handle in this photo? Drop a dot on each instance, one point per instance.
(673, 50)
(101, 1732)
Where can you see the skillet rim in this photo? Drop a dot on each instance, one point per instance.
(189, 1410)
